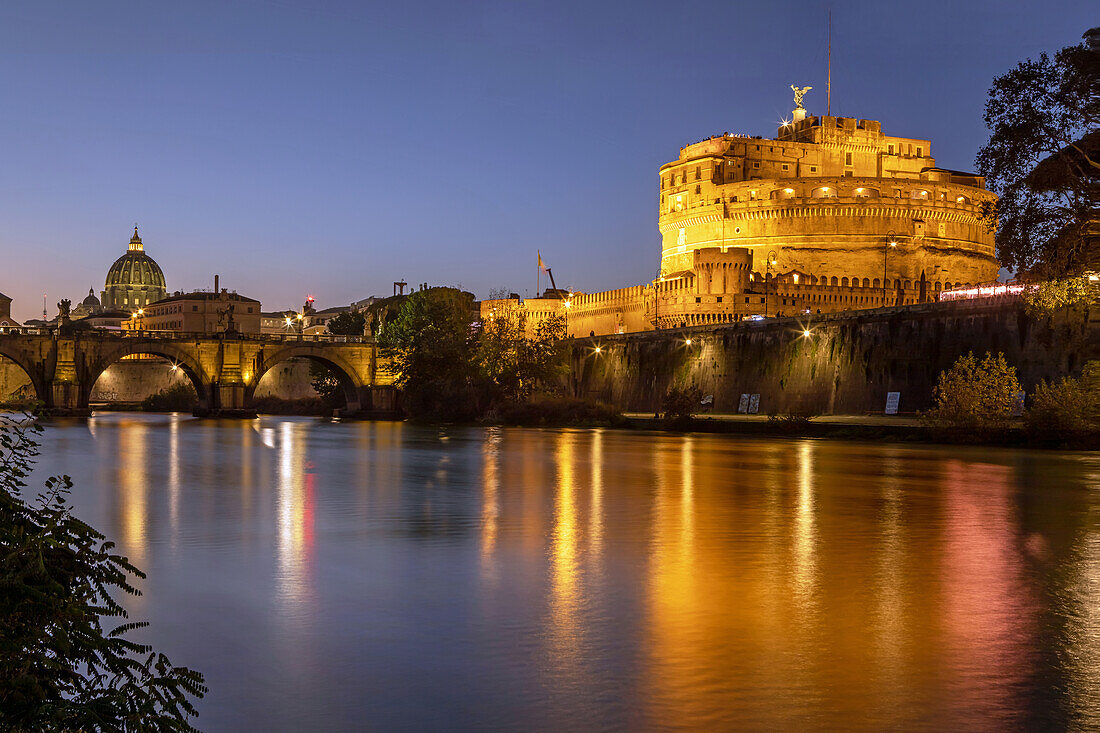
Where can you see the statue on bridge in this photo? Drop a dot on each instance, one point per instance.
(227, 314)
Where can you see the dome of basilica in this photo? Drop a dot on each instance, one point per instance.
(134, 281)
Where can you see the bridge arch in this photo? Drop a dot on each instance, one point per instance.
(351, 383)
(179, 356)
(41, 391)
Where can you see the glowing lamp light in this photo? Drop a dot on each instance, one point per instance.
(806, 332)
(1094, 278)
(567, 304)
(289, 320)
(300, 316)
(893, 244)
(788, 190)
(687, 342)
(175, 367)
(597, 350)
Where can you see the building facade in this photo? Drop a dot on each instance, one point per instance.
(6, 321)
(200, 312)
(134, 281)
(832, 214)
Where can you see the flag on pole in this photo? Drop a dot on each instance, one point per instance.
(542, 265)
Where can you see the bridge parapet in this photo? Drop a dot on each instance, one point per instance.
(224, 369)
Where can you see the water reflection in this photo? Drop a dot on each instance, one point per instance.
(294, 504)
(334, 577)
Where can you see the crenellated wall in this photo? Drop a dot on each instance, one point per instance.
(847, 363)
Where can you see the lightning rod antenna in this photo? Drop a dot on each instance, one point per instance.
(829, 81)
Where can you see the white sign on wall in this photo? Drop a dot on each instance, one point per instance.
(743, 405)
(754, 404)
(892, 400)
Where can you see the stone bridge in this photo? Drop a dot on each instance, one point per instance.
(224, 369)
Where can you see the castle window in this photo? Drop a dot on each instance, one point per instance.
(786, 167)
(719, 298)
(848, 174)
(920, 152)
(698, 189)
(698, 300)
(813, 169)
(844, 281)
(891, 148)
(847, 159)
(756, 164)
(697, 172)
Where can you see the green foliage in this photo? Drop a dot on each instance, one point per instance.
(60, 669)
(431, 346)
(975, 395)
(1044, 299)
(177, 398)
(1068, 407)
(349, 323)
(680, 402)
(509, 366)
(547, 409)
(1039, 162)
(450, 370)
(326, 385)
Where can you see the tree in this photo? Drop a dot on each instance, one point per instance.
(429, 341)
(975, 394)
(1043, 160)
(510, 365)
(348, 323)
(1070, 406)
(325, 384)
(60, 669)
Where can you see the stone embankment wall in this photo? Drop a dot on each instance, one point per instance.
(847, 363)
(131, 381)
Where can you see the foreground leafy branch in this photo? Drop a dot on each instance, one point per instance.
(60, 668)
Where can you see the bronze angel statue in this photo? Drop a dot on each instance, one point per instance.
(799, 93)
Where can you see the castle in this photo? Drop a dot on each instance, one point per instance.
(832, 214)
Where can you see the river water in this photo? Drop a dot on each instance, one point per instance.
(383, 576)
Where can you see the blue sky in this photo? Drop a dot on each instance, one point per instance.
(331, 149)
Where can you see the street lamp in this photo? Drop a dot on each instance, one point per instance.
(771, 261)
(890, 243)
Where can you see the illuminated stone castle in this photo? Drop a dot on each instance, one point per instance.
(832, 214)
